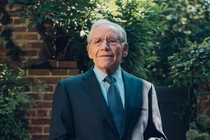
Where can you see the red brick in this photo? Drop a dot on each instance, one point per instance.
(30, 113)
(60, 72)
(19, 29)
(18, 21)
(67, 64)
(40, 121)
(29, 80)
(50, 80)
(35, 129)
(4, 51)
(46, 129)
(27, 36)
(48, 97)
(38, 72)
(50, 112)
(21, 43)
(43, 104)
(35, 45)
(37, 96)
(40, 137)
(33, 29)
(74, 71)
(41, 88)
(42, 113)
(30, 53)
(19, 36)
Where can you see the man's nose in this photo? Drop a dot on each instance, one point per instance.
(105, 44)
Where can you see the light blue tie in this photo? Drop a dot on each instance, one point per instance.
(115, 103)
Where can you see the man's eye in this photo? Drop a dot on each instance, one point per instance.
(113, 41)
(97, 41)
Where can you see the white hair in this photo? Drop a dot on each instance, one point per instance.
(120, 30)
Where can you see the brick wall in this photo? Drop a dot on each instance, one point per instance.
(39, 116)
(31, 44)
(28, 39)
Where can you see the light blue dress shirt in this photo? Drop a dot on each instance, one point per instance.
(105, 85)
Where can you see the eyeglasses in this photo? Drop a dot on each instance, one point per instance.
(110, 41)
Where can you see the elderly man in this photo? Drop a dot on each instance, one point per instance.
(105, 103)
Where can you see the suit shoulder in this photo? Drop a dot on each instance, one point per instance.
(138, 79)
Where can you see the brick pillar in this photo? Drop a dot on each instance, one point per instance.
(39, 116)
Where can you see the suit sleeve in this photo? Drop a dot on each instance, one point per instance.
(154, 129)
(61, 125)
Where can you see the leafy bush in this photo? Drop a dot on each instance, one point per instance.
(189, 21)
(190, 67)
(200, 129)
(13, 104)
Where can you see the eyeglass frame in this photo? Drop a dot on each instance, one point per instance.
(109, 41)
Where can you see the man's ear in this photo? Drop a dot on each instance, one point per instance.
(125, 49)
(89, 52)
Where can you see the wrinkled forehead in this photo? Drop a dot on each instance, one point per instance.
(104, 30)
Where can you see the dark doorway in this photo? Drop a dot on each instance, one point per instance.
(175, 118)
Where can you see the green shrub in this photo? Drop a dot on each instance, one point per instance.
(189, 20)
(200, 129)
(13, 104)
(190, 67)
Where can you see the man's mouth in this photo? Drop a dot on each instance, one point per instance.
(106, 56)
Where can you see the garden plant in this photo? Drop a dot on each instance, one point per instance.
(14, 103)
(190, 68)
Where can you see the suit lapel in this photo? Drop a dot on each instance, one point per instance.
(130, 98)
(92, 87)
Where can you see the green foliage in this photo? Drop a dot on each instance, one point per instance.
(144, 22)
(189, 21)
(13, 104)
(190, 67)
(200, 129)
(5, 36)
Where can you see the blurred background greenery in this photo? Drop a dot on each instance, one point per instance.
(156, 29)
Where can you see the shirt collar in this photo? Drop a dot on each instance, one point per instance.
(101, 75)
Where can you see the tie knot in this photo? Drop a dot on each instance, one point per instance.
(109, 79)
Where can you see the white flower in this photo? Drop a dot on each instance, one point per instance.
(82, 33)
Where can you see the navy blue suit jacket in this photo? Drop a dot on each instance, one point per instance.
(80, 111)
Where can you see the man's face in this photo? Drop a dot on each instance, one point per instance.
(106, 49)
